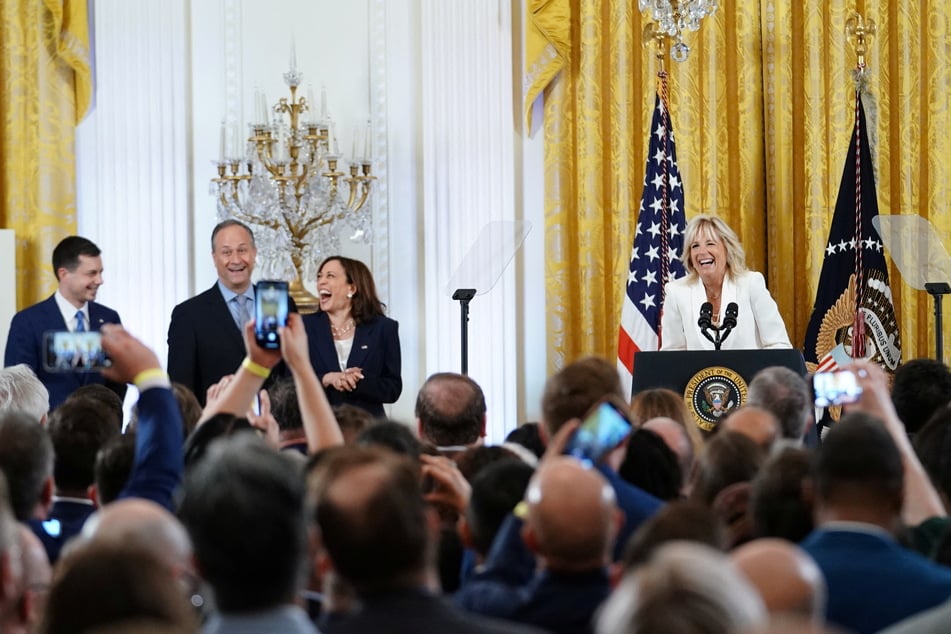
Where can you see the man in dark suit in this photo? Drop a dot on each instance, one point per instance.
(78, 268)
(204, 337)
(374, 528)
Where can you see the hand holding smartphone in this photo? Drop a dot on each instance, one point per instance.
(835, 388)
(602, 430)
(66, 351)
(270, 312)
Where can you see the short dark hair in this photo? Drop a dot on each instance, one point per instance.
(932, 443)
(496, 490)
(26, 459)
(103, 583)
(218, 426)
(395, 437)
(376, 543)
(650, 465)
(352, 421)
(784, 393)
(66, 253)
(527, 435)
(100, 395)
(572, 391)
(243, 506)
(727, 458)
(858, 460)
(188, 406)
(919, 388)
(451, 409)
(229, 222)
(79, 429)
(678, 520)
(113, 467)
(284, 404)
(778, 503)
(365, 304)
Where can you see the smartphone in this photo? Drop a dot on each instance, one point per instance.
(66, 351)
(270, 312)
(835, 388)
(603, 428)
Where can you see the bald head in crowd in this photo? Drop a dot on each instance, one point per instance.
(787, 395)
(146, 524)
(561, 492)
(786, 577)
(756, 423)
(450, 410)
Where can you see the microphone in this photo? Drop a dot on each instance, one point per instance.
(729, 320)
(706, 322)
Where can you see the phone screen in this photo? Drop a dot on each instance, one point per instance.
(74, 352)
(602, 429)
(270, 312)
(835, 388)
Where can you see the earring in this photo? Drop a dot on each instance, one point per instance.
(349, 295)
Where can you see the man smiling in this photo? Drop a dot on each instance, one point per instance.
(77, 265)
(205, 340)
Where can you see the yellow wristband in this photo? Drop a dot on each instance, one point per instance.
(521, 510)
(255, 368)
(145, 375)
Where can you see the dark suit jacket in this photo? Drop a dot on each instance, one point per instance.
(204, 343)
(25, 345)
(872, 581)
(66, 519)
(376, 350)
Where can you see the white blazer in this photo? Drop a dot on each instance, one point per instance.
(758, 322)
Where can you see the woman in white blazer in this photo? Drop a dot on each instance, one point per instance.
(717, 273)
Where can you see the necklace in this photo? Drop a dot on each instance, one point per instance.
(339, 332)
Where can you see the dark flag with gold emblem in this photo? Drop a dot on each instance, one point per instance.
(854, 315)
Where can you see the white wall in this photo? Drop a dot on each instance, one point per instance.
(8, 281)
(436, 79)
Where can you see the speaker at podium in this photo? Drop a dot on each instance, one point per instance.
(712, 382)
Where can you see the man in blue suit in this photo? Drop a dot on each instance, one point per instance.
(872, 580)
(78, 268)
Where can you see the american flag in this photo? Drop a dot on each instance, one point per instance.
(658, 243)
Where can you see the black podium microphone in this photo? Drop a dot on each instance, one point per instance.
(706, 321)
(729, 320)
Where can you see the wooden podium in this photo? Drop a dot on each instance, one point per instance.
(712, 382)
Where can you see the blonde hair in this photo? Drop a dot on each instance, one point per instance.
(706, 224)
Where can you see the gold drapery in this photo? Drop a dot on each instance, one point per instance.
(762, 113)
(46, 90)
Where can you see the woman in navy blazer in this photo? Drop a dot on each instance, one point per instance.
(354, 347)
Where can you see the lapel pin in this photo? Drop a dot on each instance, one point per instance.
(363, 347)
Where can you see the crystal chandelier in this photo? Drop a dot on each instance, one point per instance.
(673, 17)
(289, 182)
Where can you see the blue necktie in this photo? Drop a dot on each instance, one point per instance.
(80, 321)
(241, 302)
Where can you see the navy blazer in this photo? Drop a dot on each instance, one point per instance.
(25, 345)
(376, 351)
(205, 344)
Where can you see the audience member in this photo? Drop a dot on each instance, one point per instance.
(113, 467)
(727, 458)
(20, 390)
(652, 466)
(679, 441)
(286, 410)
(450, 412)
(77, 266)
(780, 499)
(859, 483)
(373, 526)
(932, 443)
(394, 436)
(684, 587)
(11, 567)
(188, 406)
(243, 507)
(113, 584)
(26, 459)
(496, 490)
(680, 520)
(103, 398)
(568, 395)
(787, 579)
(78, 428)
(756, 423)
(37, 575)
(788, 396)
(660, 402)
(473, 460)
(528, 435)
(218, 426)
(919, 388)
(352, 421)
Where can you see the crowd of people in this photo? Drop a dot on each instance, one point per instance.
(280, 500)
